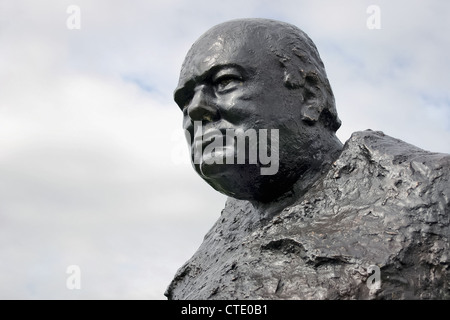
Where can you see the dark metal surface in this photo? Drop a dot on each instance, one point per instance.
(316, 228)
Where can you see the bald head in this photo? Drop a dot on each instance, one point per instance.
(291, 49)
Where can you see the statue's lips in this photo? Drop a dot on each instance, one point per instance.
(217, 135)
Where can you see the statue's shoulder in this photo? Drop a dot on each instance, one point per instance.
(392, 154)
(397, 176)
(405, 187)
(389, 148)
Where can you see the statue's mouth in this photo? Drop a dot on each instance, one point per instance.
(230, 146)
(209, 136)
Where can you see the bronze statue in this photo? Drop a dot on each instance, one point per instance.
(306, 217)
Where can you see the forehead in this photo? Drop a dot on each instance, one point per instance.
(228, 47)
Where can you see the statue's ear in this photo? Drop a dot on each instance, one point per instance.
(314, 99)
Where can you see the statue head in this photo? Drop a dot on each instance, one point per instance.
(264, 81)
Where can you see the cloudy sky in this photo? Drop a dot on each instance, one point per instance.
(93, 165)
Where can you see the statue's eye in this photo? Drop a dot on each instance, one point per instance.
(227, 83)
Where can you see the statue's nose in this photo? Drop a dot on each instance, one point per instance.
(202, 106)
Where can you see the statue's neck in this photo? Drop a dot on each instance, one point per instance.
(267, 210)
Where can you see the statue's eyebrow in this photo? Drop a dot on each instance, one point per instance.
(183, 92)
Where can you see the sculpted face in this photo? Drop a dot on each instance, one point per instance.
(231, 81)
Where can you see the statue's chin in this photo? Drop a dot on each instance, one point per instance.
(234, 180)
(240, 181)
